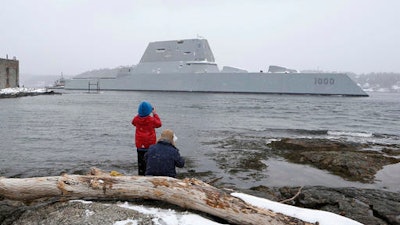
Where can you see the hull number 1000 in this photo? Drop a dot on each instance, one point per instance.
(324, 81)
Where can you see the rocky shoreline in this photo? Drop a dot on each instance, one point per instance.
(346, 159)
(23, 92)
(351, 161)
(366, 206)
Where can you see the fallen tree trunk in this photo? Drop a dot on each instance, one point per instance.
(188, 193)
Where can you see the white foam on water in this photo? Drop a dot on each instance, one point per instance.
(351, 134)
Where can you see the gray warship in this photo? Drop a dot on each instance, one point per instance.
(189, 66)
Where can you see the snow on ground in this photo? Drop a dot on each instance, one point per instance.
(160, 216)
(172, 217)
(126, 222)
(167, 216)
(308, 215)
(22, 90)
(82, 201)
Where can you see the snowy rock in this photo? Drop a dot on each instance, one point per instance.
(21, 92)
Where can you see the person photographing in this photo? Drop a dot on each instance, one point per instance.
(145, 133)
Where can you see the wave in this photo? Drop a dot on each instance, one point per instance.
(333, 133)
(350, 133)
(299, 131)
(357, 136)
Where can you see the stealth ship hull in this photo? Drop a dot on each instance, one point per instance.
(189, 66)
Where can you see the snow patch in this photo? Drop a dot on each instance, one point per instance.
(308, 215)
(126, 222)
(82, 201)
(22, 90)
(169, 216)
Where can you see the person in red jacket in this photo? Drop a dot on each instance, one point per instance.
(145, 134)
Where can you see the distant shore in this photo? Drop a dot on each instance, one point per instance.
(22, 92)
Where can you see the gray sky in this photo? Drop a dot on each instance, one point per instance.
(71, 36)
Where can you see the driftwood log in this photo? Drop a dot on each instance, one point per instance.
(187, 193)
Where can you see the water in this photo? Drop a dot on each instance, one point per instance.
(48, 135)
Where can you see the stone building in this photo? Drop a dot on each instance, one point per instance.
(9, 73)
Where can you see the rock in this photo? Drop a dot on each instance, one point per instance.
(240, 154)
(367, 206)
(391, 151)
(345, 159)
(23, 93)
(314, 144)
(76, 212)
(10, 210)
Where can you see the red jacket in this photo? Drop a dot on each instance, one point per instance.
(145, 134)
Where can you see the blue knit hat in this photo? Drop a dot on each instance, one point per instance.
(145, 109)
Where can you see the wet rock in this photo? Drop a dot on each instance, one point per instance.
(313, 144)
(367, 206)
(391, 151)
(345, 159)
(241, 156)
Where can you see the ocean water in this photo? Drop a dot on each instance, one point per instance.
(48, 135)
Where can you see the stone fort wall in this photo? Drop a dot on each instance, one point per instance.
(9, 73)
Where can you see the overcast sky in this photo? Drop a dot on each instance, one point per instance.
(74, 36)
